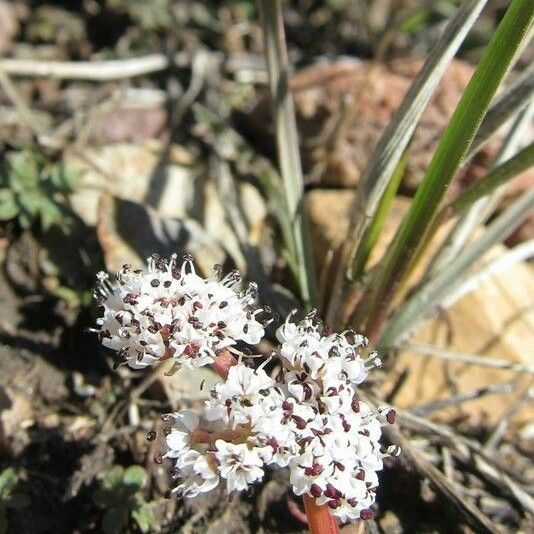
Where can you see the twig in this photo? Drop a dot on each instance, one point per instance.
(470, 359)
(493, 389)
(500, 429)
(114, 69)
(247, 66)
(448, 467)
(470, 452)
(23, 110)
(154, 375)
(440, 483)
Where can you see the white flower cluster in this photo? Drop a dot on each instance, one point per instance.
(171, 312)
(308, 419)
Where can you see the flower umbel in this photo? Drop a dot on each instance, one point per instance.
(171, 312)
(308, 419)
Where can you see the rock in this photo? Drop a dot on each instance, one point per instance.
(139, 174)
(129, 233)
(329, 214)
(16, 415)
(190, 385)
(495, 320)
(144, 201)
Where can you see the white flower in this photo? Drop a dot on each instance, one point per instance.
(245, 396)
(197, 475)
(238, 464)
(171, 312)
(339, 439)
(179, 438)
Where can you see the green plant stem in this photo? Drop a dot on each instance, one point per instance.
(373, 230)
(447, 158)
(287, 145)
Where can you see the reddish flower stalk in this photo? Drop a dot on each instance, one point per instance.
(206, 436)
(320, 520)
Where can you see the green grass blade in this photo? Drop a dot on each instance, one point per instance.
(479, 211)
(494, 179)
(447, 158)
(287, 145)
(430, 295)
(373, 231)
(394, 141)
(397, 135)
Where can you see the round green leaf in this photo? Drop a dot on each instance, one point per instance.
(134, 477)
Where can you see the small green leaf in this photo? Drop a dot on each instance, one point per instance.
(134, 478)
(24, 172)
(113, 479)
(8, 480)
(145, 519)
(50, 213)
(114, 520)
(8, 205)
(30, 202)
(64, 178)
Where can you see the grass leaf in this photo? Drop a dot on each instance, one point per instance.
(395, 139)
(287, 145)
(447, 158)
(480, 210)
(509, 103)
(398, 133)
(373, 230)
(495, 178)
(430, 295)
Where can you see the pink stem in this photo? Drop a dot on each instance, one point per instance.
(320, 520)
